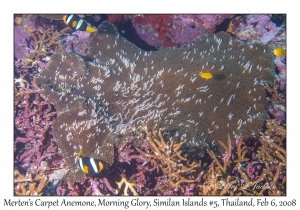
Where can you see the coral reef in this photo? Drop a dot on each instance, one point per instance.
(254, 28)
(77, 42)
(255, 168)
(147, 159)
(260, 28)
(128, 186)
(27, 185)
(166, 157)
(34, 145)
(277, 102)
(100, 97)
(246, 168)
(33, 118)
(33, 43)
(281, 78)
(168, 30)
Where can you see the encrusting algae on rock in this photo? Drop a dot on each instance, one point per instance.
(116, 86)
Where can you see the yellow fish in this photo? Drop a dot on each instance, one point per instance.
(279, 52)
(206, 75)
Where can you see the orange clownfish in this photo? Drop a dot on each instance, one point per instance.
(279, 52)
(75, 22)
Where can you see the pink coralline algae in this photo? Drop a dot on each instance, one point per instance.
(32, 122)
(186, 28)
(278, 111)
(281, 66)
(77, 42)
(254, 28)
(24, 44)
(168, 30)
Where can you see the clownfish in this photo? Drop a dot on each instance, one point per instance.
(279, 52)
(88, 165)
(206, 75)
(75, 22)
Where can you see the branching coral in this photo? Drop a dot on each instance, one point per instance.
(45, 42)
(27, 185)
(33, 118)
(228, 155)
(166, 157)
(33, 143)
(277, 132)
(246, 168)
(256, 169)
(34, 43)
(277, 102)
(128, 186)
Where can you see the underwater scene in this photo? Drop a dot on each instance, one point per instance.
(156, 104)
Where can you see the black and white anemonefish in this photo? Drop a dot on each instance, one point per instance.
(88, 165)
(75, 22)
